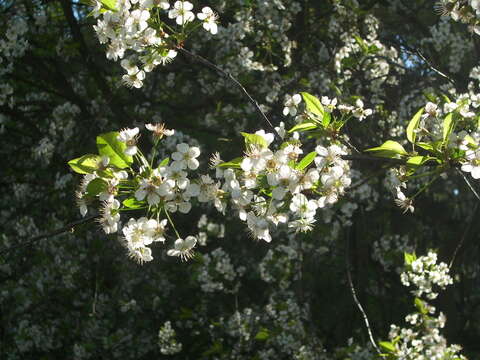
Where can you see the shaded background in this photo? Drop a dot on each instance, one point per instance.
(78, 296)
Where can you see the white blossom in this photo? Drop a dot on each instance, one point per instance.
(183, 248)
(181, 12)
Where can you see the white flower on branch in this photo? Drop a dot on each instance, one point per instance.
(183, 248)
(181, 12)
(209, 18)
(159, 130)
(110, 216)
(359, 112)
(291, 104)
(129, 137)
(472, 164)
(258, 227)
(186, 157)
(403, 202)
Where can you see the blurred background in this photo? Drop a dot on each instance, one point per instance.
(78, 296)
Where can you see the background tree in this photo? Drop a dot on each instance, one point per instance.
(78, 294)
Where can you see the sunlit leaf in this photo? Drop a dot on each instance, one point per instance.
(413, 125)
(110, 146)
(85, 164)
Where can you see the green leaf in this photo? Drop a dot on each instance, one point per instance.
(448, 125)
(216, 348)
(313, 104)
(133, 203)
(164, 162)
(303, 127)
(185, 313)
(254, 139)
(430, 96)
(470, 141)
(86, 164)
(96, 186)
(387, 346)
(420, 305)
(413, 125)
(388, 149)
(109, 145)
(362, 44)
(307, 160)
(327, 118)
(110, 4)
(232, 164)
(409, 258)
(419, 160)
(446, 98)
(262, 335)
(290, 142)
(426, 146)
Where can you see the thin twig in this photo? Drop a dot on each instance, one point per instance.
(473, 215)
(415, 51)
(235, 81)
(355, 299)
(62, 230)
(469, 184)
(367, 179)
(374, 159)
(434, 68)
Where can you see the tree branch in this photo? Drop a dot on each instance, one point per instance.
(355, 298)
(62, 230)
(229, 76)
(473, 215)
(469, 184)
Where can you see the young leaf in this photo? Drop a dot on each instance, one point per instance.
(96, 186)
(313, 104)
(110, 4)
(362, 44)
(232, 164)
(164, 162)
(303, 127)
(419, 160)
(420, 305)
(387, 346)
(262, 335)
(307, 160)
(133, 203)
(254, 139)
(413, 125)
(108, 145)
(289, 142)
(86, 164)
(327, 118)
(470, 141)
(409, 258)
(426, 146)
(448, 125)
(388, 149)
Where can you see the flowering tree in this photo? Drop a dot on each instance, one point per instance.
(340, 135)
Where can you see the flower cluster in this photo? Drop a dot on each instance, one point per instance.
(266, 186)
(422, 340)
(292, 107)
(167, 341)
(122, 179)
(467, 12)
(441, 135)
(141, 29)
(269, 187)
(424, 273)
